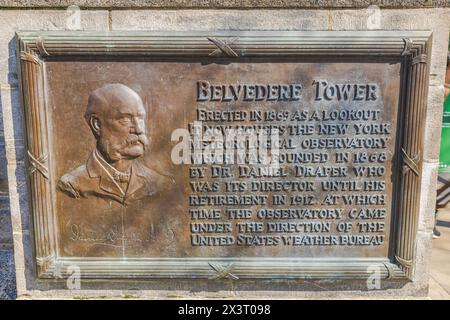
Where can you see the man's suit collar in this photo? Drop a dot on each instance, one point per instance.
(107, 183)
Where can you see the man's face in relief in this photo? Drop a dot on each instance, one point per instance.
(121, 129)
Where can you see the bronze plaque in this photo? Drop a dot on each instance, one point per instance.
(262, 155)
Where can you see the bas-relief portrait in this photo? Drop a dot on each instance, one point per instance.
(116, 116)
(114, 188)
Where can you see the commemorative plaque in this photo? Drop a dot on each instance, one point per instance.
(241, 155)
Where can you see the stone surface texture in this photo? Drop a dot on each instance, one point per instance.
(7, 278)
(440, 273)
(318, 4)
(14, 210)
(14, 20)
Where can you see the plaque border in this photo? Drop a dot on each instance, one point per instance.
(412, 48)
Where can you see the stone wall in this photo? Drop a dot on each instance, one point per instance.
(7, 277)
(223, 4)
(350, 15)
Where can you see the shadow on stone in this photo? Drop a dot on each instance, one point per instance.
(7, 270)
(7, 275)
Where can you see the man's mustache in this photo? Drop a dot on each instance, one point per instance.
(133, 139)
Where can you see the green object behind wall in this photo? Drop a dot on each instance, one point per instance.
(444, 158)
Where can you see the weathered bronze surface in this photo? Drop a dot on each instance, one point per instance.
(340, 193)
(96, 218)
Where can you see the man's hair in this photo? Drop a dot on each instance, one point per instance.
(102, 99)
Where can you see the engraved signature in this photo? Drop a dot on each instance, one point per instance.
(111, 235)
(82, 233)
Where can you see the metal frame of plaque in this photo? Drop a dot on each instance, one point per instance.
(411, 48)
